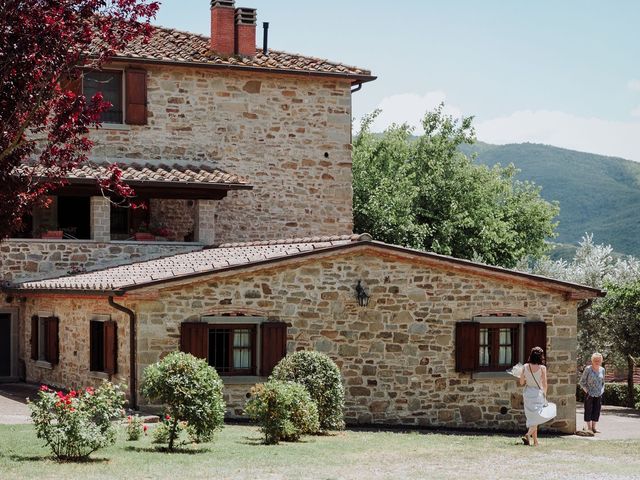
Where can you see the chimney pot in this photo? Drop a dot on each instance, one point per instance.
(245, 32)
(222, 26)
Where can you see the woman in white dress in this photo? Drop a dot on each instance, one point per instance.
(534, 377)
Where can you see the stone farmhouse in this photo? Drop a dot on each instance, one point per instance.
(246, 251)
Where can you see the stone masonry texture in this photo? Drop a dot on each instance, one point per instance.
(396, 355)
(289, 136)
(22, 260)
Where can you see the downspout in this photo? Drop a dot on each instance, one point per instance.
(357, 87)
(132, 351)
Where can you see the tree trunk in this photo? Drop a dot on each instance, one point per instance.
(172, 435)
(630, 396)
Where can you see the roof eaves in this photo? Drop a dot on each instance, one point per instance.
(354, 77)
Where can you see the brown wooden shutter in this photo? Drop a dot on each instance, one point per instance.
(535, 335)
(467, 346)
(194, 339)
(274, 345)
(110, 347)
(51, 349)
(136, 97)
(34, 337)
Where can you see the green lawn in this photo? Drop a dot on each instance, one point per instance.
(238, 453)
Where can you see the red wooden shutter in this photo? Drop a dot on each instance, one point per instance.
(535, 335)
(110, 347)
(51, 349)
(72, 83)
(194, 339)
(274, 345)
(34, 337)
(467, 346)
(136, 97)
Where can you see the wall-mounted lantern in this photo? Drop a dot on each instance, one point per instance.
(361, 295)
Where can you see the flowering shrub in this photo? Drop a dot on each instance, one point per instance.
(163, 430)
(284, 410)
(191, 391)
(321, 377)
(135, 427)
(76, 424)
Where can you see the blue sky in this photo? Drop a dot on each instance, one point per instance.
(565, 73)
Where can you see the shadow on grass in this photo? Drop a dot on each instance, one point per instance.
(178, 450)
(40, 458)
(259, 441)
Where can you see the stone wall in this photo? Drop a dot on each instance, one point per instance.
(396, 355)
(25, 259)
(177, 215)
(290, 136)
(73, 370)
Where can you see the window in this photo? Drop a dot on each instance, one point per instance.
(250, 346)
(103, 345)
(109, 82)
(44, 339)
(493, 344)
(232, 349)
(498, 347)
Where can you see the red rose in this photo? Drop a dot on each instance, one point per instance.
(167, 417)
(44, 388)
(144, 428)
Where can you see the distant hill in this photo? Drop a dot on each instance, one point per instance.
(596, 193)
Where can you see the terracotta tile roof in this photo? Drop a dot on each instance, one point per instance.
(187, 264)
(158, 171)
(169, 45)
(118, 280)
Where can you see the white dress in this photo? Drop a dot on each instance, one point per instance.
(536, 408)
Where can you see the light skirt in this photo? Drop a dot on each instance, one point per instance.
(536, 409)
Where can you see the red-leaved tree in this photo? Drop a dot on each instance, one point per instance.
(43, 123)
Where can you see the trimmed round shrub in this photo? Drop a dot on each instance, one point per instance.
(191, 391)
(284, 411)
(321, 377)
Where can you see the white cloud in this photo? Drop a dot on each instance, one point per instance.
(634, 85)
(587, 134)
(636, 111)
(410, 108)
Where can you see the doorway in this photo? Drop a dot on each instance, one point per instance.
(5, 345)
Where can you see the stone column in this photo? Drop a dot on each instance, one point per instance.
(100, 219)
(204, 230)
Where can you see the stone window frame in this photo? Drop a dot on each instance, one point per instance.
(513, 319)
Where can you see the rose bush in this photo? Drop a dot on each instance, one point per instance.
(77, 423)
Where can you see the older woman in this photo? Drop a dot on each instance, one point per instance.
(592, 382)
(536, 409)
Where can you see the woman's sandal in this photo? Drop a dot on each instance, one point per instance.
(525, 439)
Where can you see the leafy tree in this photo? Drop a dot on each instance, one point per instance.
(595, 266)
(621, 312)
(423, 193)
(43, 43)
(191, 391)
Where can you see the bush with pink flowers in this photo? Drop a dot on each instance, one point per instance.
(77, 423)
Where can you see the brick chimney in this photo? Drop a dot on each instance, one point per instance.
(245, 32)
(223, 26)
